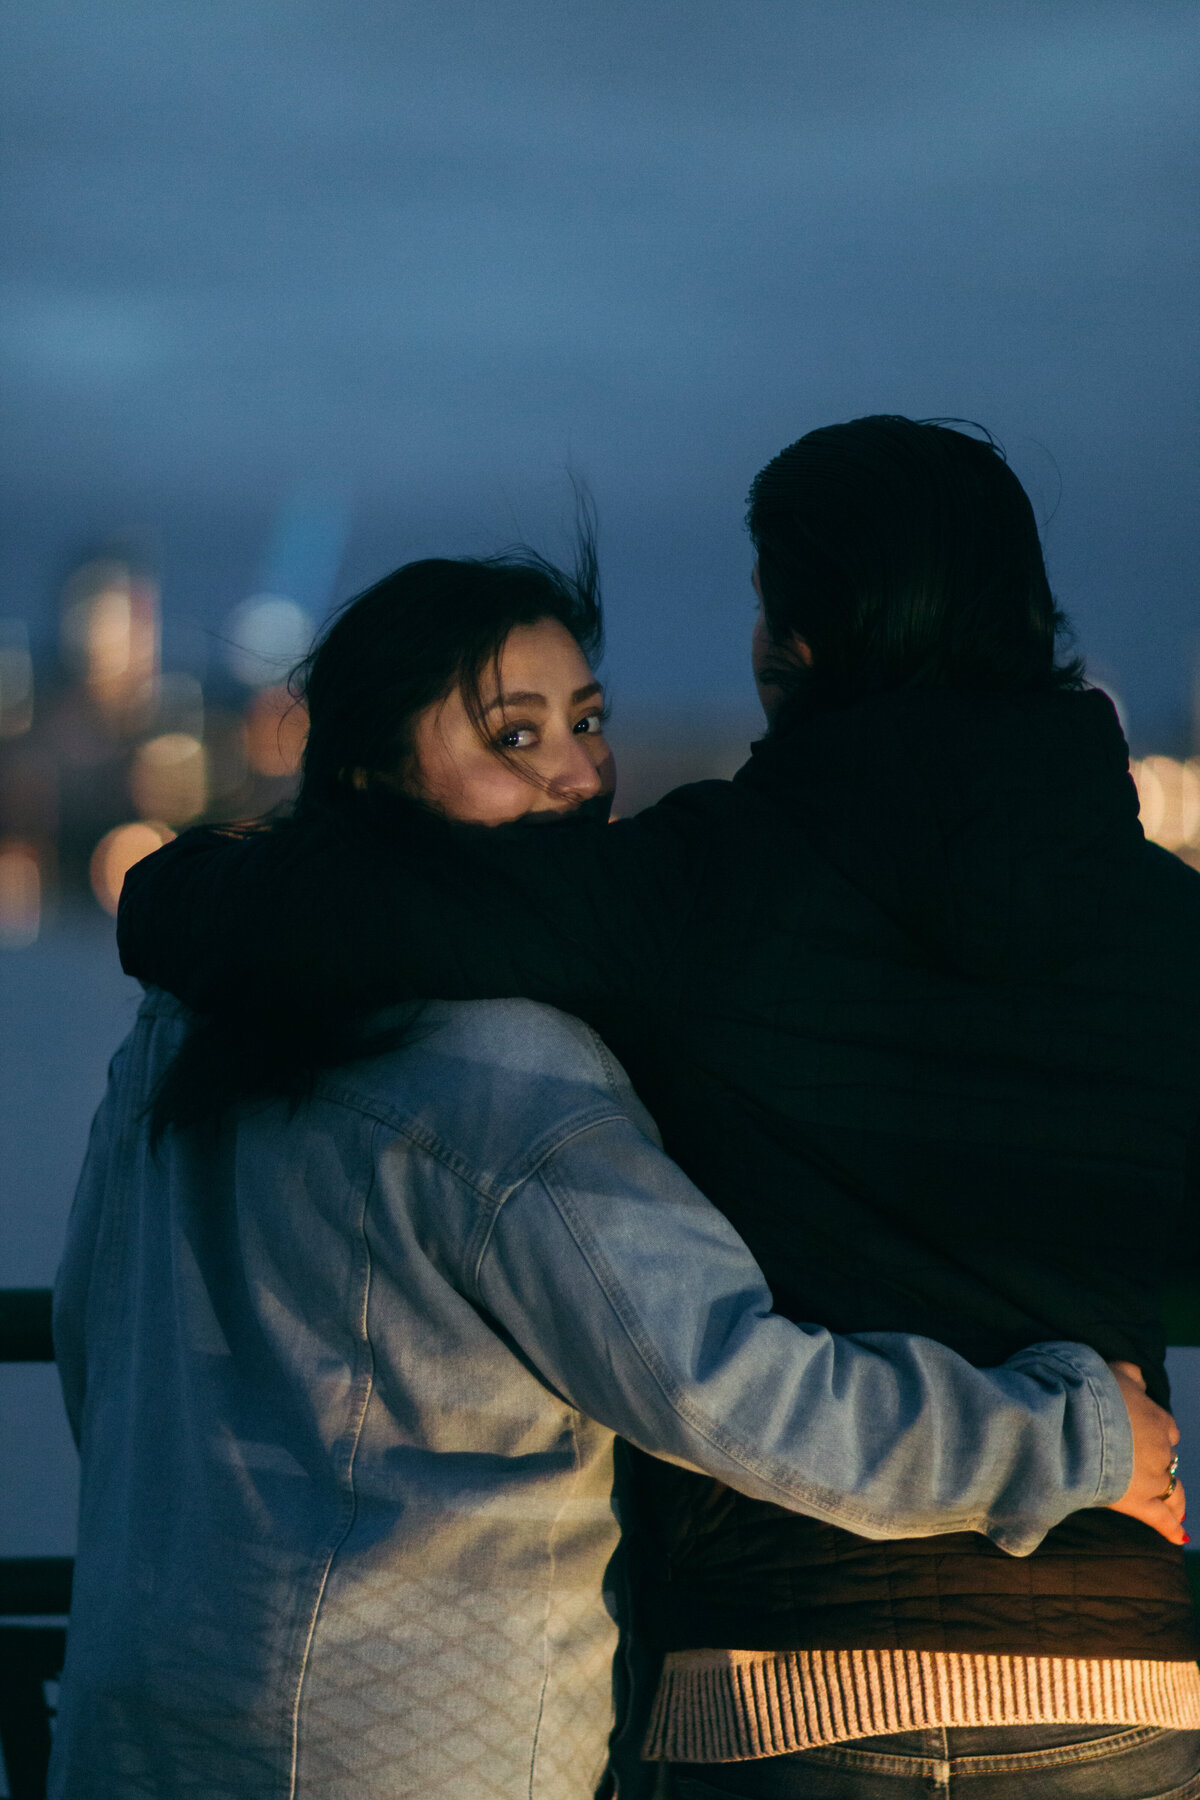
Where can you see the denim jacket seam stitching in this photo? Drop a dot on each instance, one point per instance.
(1098, 1409)
(380, 1114)
(1065, 1362)
(608, 1062)
(364, 1382)
(111, 1253)
(1102, 1481)
(493, 1190)
(552, 1550)
(496, 1202)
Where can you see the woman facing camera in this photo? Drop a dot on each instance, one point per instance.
(914, 1002)
(348, 1318)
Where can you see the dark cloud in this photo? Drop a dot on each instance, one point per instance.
(422, 257)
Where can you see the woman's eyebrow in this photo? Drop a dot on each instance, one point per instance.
(518, 699)
(531, 699)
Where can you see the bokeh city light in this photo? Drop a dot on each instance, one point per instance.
(116, 854)
(276, 727)
(105, 754)
(20, 895)
(1169, 803)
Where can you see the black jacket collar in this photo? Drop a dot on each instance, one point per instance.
(980, 822)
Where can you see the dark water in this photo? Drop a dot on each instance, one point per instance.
(64, 1008)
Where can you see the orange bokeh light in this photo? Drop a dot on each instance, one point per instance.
(169, 778)
(116, 854)
(1169, 800)
(20, 895)
(276, 727)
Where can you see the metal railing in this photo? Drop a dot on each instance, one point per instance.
(25, 1334)
(32, 1588)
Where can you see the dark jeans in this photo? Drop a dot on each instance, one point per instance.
(1027, 1762)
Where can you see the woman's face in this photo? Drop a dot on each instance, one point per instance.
(546, 714)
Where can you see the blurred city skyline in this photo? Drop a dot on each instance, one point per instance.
(385, 275)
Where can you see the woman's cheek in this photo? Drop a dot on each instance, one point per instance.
(606, 768)
(497, 795)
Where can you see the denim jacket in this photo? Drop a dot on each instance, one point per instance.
(345, 1384)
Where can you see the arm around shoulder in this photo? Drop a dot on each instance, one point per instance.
(634, 1297)
(385, 902)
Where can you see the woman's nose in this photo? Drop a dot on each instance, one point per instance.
(576, 777)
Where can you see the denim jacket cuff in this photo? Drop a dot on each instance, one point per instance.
(1113, 1431)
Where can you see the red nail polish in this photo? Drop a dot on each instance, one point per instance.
(1186, 1538)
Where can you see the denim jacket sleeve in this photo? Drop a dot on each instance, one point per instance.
(636, 1299)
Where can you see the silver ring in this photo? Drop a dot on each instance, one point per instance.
(1172, 1478)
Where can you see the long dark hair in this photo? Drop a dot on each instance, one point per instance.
(405, 643)
(905, 553)
(408, 641)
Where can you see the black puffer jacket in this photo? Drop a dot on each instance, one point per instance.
(913, 1002)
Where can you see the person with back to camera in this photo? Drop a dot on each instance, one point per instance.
(914, 1002)
(345, 1356)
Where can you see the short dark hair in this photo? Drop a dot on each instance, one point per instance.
(405, 643)
(905, 553)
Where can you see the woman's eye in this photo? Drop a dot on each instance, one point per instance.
(517, 737)
(592, 725)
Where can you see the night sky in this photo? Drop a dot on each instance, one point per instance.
(394, 267)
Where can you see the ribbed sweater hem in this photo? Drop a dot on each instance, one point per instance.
(733, 1705)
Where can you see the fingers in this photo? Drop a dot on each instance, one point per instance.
(1166, 1526)
(1163, 1516)
(1155, 1435)
(1177, 1505)
(1170, 1523)
(1154, 1430)
(1130, 1372)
